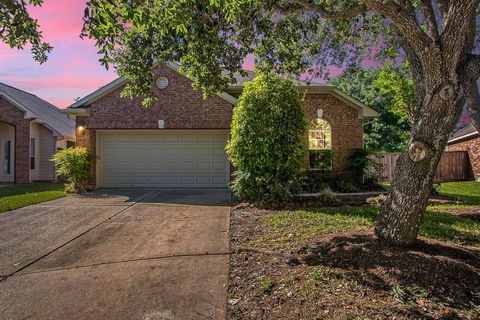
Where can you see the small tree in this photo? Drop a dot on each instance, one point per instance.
(74, 164)
(267, 141)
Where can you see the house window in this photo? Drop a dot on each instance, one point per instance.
(32, 153)
(7, 148)
(320, 145)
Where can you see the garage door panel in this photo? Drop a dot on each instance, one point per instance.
(164, 159)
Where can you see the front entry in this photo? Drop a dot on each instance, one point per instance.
(7, 152)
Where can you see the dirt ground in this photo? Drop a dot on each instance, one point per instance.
(348, 275)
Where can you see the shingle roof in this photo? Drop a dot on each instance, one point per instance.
(465, 132)
(41, 109)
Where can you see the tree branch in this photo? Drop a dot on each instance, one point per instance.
(430, 20)
(458, 29)
(404, 21)
(443, 6)
(303, 6)
(472, 68)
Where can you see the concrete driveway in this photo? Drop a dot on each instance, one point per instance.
(117, 255)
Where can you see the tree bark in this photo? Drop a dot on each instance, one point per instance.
(403, 211)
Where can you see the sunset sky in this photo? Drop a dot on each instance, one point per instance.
(72, 69)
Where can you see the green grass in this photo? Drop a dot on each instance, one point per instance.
(21, 195)
(468, 191)
(288, 229)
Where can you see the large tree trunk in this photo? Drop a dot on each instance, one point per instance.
(403, 211)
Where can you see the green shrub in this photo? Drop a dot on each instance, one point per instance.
(74, 164)
(361, 172)
(267, 141)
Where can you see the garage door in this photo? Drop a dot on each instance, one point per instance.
(167, 159)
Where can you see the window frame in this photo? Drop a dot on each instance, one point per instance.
(7, 156)
(323, 147)
(33, 149)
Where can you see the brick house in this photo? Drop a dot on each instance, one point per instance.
(180, 140)
(31, 131)
(467, 139)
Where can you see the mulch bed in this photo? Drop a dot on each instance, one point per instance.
(349, 276)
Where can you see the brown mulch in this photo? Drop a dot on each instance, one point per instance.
(349, 276)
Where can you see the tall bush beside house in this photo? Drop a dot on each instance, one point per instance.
(267, 141)
(74, 164)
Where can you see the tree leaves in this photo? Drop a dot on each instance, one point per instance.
(18, 29)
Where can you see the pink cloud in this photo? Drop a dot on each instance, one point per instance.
(72, 70)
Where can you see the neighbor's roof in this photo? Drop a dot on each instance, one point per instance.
(364, 111)
(36, 108)
(466, 132)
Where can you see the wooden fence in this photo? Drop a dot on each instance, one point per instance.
(453, 166)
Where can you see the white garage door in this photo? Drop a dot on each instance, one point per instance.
(167, 159)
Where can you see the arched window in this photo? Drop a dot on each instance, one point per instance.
(320, 144)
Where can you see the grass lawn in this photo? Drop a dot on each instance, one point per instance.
(468, 191)
(21, 195)
(326, 263)
(308, 224)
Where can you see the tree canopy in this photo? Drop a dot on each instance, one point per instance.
(390, 91)
(18, 29)
(211, 38)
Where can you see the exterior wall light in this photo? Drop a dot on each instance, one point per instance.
(81, 131)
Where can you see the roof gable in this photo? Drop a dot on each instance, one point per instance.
(117, 83)
(364, 112)
(37, 108)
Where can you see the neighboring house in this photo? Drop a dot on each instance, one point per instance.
(467, 139)
(31, 131)
(179, 141)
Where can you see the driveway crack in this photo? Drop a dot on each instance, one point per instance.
(181, 255)
(5, 277)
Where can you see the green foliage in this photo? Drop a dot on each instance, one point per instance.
(360, 165)
(74, 164)
(18, 29)
(362, 172)
(398, 292)
(267, 141)
(267, 286)
(321, 159)
(390, 91)
(396, 84)
(211, 39)
(318, 273)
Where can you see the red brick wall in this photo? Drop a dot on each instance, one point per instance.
(14, 116)
(179, 105)
(183, 108)
(347, 128)
(473, 148)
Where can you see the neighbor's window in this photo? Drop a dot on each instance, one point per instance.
(320, 144)
(32, 153)
(7, 148)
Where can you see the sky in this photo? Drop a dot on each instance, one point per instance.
(72, 69)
